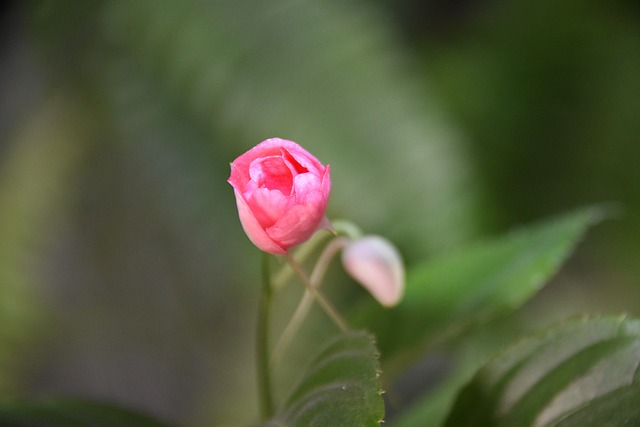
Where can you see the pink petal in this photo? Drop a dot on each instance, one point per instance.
(326, 183)
(272, 173)
(268, 205)
(242, 164)
(376, 264)
(307, 185)
(299, 223)
(253, 229)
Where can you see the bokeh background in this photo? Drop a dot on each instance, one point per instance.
(124, 272)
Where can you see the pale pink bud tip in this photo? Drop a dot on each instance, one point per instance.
(376, 264)
(282, 192)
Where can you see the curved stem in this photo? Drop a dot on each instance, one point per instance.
(341, 227)
(281, 278)
(324, 303)
(307, 299)
(346, 228)
(262, 342)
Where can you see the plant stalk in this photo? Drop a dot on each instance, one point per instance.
(302, 310)
(328, 308)
(262, 342)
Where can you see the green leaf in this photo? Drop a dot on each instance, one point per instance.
(71, 413)
(340, 387)
(449, 295)
(579, 373)
(468, 354)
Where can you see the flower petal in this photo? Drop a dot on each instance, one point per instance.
(376, 264)
(272, 173)
(303, 157)
(306, 186)
(254, 231)
(267, 205)
(299, 223)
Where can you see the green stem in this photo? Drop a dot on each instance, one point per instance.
(328, 308)
(305, 303)
(341, 227)
(281, 278)
(262, 342)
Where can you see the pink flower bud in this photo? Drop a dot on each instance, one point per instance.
(376, 264)
(282, 192)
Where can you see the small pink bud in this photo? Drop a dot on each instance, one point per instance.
(376, 264)
(282, 193)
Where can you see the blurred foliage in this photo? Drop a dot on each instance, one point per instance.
(548, 92)
(581, 373)
(121, 257)
(35, 191)
(70, 413)
(460, 291)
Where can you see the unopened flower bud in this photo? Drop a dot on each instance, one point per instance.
(282, 192)
(376, 264)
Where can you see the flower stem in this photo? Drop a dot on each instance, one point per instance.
(262, 342)
(281, 278)
(328, 308)
(341, 228)
(305, 303)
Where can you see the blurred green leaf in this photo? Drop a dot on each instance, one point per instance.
(579, 373)
(450, 294)
(71, 413)
(340, 387)
(467, 354)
